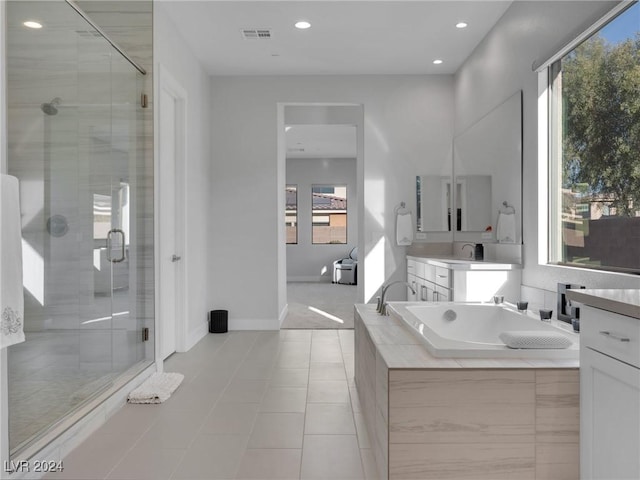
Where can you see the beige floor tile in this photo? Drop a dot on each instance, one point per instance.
(132, 419)
(269, 464)
(291, 359)
(212, 457)
(174, 429)
(95, 458)
(324, 335)
(295, 377)
(147, 463)
(327, 371)
(284, 399)
(328, 391)
(331, 457)
(277, 430)
(190, 398)
(329, 419)
(244, 391)
(231, 418)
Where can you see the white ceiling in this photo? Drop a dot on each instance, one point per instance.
(345, 38)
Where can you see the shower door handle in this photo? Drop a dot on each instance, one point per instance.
(122, 252)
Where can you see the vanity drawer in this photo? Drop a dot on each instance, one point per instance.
(615, 335)
(443, 277)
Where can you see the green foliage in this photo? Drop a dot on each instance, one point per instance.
(601, 131)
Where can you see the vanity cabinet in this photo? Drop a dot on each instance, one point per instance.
(609, 395)
(439, 280)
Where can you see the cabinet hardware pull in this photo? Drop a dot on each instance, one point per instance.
(615, 337)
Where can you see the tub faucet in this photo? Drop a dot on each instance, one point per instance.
(382, 305)
(472, 249)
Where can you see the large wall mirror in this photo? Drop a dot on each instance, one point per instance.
(487, 171)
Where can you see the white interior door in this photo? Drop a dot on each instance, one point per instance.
(170, 155)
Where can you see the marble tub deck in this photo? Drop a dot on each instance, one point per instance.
(400, 349)
(480, 418)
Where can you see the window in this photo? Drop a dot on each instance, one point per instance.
(594, 170)
(329, 214)
(291, 214)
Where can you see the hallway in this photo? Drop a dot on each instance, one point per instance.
(253, 405)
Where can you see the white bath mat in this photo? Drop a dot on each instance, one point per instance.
(156, 389)
(534, 339)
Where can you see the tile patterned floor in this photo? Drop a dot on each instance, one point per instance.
(254, 405)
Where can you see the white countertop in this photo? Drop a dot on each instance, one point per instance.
(464, 264)
(400, 349)
(621, 301)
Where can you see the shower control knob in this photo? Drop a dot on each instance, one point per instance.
(175, 258)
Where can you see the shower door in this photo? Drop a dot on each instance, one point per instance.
(87, 208)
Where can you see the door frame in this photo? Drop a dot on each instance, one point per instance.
(166, 82)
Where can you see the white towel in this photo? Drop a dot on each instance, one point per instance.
(404, 229)
(506, 228)
(11, 295)
(156, 389)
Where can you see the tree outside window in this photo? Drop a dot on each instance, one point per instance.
(595, 121)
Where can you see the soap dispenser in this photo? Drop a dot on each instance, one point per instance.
(479, 252)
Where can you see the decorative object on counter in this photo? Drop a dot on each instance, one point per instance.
(522, 306)
(576, 324)
(404, 225)
(545, 315)
(498, 299)
(565, 312)
(506, 224)
(479, 252)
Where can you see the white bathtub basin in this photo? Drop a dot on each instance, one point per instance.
(449, 329)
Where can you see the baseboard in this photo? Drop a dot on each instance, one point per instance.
(254, 324)
(196, 335)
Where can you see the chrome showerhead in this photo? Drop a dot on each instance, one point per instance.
(50, 108)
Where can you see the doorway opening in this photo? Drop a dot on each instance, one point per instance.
(320, 150)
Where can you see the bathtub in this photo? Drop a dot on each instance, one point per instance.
(472, 330)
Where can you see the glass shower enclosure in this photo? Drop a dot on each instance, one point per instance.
(76, 142)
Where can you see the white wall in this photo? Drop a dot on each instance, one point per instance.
(305, 261)
(174, 55)
(501, 65)
(408, 123)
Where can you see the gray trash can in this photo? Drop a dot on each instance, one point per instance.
(218, 321)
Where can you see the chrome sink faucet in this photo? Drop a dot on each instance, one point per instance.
(382, 305)
(472, 249)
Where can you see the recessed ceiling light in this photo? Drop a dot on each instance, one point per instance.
(461, 25)
(437, 62)
(303, 25)
(32, 24)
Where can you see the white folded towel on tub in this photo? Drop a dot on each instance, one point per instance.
(11, 294)
(535, 339)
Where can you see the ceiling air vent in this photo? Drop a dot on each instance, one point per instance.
(256, 33)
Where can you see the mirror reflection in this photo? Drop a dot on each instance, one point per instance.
(433, 200)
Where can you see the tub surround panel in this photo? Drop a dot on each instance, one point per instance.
(463, 461)
(463, 418)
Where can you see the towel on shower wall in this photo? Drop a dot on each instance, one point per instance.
(506, 228)
(11, 296)
(404, 229)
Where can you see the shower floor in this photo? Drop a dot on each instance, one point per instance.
(48, 379)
